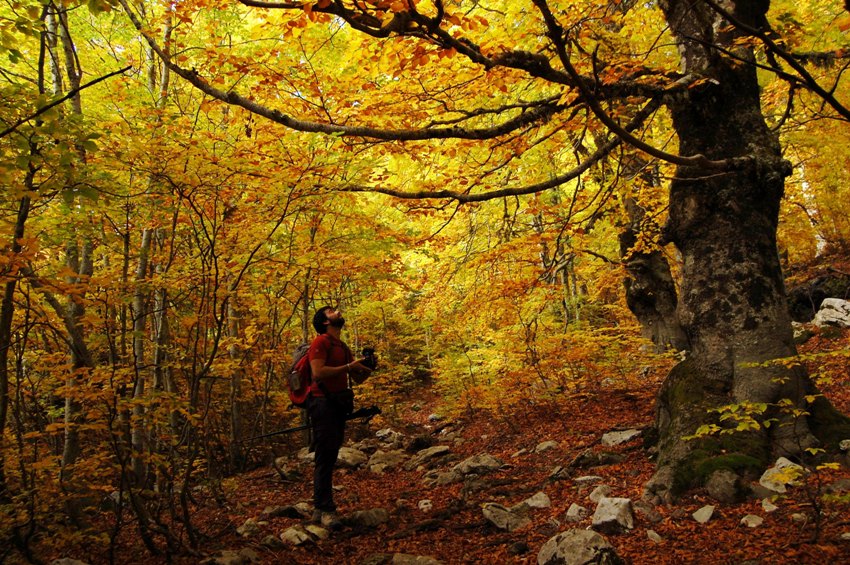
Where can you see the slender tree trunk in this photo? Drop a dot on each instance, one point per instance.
(7, 311)
(140, 315)
(733, 304)
(79, 262)
(163, 373)
(234, 332)
(142, 294)
(78, 259)
(307, 434)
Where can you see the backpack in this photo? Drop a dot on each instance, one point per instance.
(300, 378)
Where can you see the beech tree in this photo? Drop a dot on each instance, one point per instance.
(584, 81)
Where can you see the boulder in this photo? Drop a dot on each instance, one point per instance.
(704, 514)
(578, 547)
(479, 465)
(381, 461)
(283, 512)
(546, 446)
(504, 518)
(611, 439)
(752, 521)
(613, 516)
(804, 300)
(782, 474)
(587, 480)
(833, 312)
(273, 542)
(724, 485)
(351, 458)
(427, 455)
(648, 511)
(539, 500)
(317, 531)
(768, 506)
(600, 492)
(589, 458)
(250, 528)
(559, 473)
(297, 535)
(367, 518)
(440, 479)
(576, 513)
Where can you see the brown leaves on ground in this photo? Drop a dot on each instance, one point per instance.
(455, 531)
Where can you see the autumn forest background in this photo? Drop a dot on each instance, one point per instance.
(163, 250)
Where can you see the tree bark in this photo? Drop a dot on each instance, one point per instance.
(142, 295)
(650, 289)
(79, 262)
(234, 331)
(141, 304)
(733, 304)
(7, 311)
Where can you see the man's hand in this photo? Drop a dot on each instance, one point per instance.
(358, 371)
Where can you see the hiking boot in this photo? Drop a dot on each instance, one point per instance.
(331, 521)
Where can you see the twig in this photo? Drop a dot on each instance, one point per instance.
(70, 94)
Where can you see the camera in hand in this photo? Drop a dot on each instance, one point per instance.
(371, 360)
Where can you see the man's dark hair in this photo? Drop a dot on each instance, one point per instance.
(320, 318)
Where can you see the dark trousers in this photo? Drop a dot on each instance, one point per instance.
(328, 434)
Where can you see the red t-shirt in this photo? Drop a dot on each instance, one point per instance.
(335, 353)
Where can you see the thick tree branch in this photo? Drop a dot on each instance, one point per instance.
(428, 28)
(810, 82)
(464, 197)
(74, 338)
(411, 23)
(556, 35)
(542, 112)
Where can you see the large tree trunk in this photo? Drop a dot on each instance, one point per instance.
(733, 304)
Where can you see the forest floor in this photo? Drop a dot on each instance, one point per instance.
(455, 531)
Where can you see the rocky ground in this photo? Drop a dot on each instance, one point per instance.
(419, 487)
(443, 500)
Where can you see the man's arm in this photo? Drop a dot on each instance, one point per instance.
(321, 371)
(320, 353)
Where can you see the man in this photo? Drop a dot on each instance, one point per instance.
(332, 366)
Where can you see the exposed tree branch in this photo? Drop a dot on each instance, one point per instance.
(418, 25)
(70, 94)
(556, 35)
(810, 82)
(74, 339)
(543, 111)
(464, 197)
